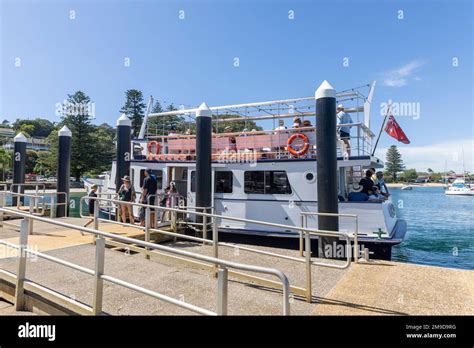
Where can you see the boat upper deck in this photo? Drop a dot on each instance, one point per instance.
(255, 130)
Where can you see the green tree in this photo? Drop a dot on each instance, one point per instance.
(163, 125)
(26, 129)
(409, 175)
(103, 139)
(237, 125)
(47, 161)
(83, 149)
(5, 161)
(393, 163)
(134, 108)
(38, 127)
(31, 158)
(436, 177)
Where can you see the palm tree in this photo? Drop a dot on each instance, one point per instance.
(5, 161)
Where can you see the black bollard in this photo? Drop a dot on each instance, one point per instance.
(326, 163)
(19, 163)
(64, 171)
(203, 158)
(124, 129)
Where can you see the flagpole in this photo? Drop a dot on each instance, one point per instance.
(381, 128)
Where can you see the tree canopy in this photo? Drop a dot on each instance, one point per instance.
(92, 147)
(393, 163)
(165, 124)
(39, 127)
(134, 108)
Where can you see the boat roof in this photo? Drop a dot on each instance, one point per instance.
(356, 100)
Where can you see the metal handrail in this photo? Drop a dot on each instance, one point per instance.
(32, 198)
(215, 241)
(221, 264)
(36, 185)
(35, 198)
(304, 223)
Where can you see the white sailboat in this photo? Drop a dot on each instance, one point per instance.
(460, 187)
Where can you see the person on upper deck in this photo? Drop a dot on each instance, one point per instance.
(374, 177)
(281, 125)
(367, 183)
(344, 131)
(307, 123)
(381, 184)
(296, 122)
(232, 140)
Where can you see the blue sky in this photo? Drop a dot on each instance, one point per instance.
(192, 60)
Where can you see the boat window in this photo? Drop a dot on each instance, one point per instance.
(159, 178)
(267, 182)
(223, 182)
(137, 151)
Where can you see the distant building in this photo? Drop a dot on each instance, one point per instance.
(37, 144)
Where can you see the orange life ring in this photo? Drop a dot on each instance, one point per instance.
(152, 155)
(303, 150)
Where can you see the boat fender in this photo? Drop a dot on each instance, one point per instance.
(301, 151)
(152, 155)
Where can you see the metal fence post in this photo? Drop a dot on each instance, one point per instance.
(301, 235)
(21, 267)
(2, 196)
(215, 238)
(308, 267)
(358, 137)
(356, 242)
(96, 214)
(147, 229)
(36, 199)
(31, 211)
(204, 227)
(51, 213)
(222, 277)
(99, 271)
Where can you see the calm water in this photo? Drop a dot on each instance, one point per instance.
(440, 228)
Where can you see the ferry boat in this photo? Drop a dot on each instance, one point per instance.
(268, 175)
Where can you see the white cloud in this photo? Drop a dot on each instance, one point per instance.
(401, 76)
(434, 156)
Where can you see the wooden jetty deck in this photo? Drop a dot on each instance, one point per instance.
(377, 287)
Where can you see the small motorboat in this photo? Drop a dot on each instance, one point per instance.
(407, 187)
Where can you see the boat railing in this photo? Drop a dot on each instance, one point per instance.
(98, 273)
(265, 144)
(215, 243)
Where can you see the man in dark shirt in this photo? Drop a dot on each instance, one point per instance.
(148, 189)
(367, 183)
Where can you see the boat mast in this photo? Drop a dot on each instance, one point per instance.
(141, 135)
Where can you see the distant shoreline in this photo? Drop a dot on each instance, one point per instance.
(428, 184)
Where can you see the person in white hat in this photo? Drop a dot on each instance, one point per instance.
(344, 131)
(126, 194)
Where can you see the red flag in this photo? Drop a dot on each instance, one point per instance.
(393, 129)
